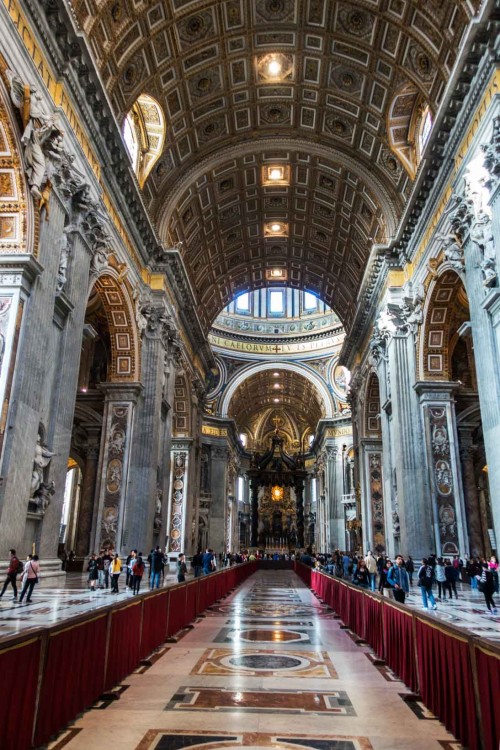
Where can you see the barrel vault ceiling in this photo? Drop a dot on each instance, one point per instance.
(276, 394)
(351, 77)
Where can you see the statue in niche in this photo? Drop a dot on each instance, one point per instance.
(43, 496)
(65, 248)
(40, 462)
(42, 137)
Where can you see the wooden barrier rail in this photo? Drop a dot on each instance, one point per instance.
(457, 675)
(86, 655)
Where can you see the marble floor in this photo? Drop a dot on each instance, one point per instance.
(270, 668)
(55, 604)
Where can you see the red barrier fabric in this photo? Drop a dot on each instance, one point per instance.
(446, 683)
(154, 622)
(19, 664)
(177, 609)
(373, 632)
(488, 677)
(202, 593)
(191, 601)
(219, 585)
(74, 672)
(399, 645)
(211, 597)
(124, 643)
(357, 600)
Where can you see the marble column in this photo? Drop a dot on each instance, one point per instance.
(374, 522)
(475, 546)
(299, 498)
(443, 464)
(217, 526)
(254, 512)
(146, 463)
(116, 442)
(179, 487)
(87, 507)
(414, 507)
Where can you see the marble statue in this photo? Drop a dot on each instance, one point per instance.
(482, 235)
(40, 462)
(42, 137)
(43, 496)
(453, 251)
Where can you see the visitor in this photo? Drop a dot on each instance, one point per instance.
(92, 572)
(137, 573)
(346, 561)
(31, 577)
(371, 566)
(440, 576)
(361, 576)
(129, 564)
(451, 573)
(486, 585)
(425, 581)
(493, 566)
(197, 563)
(155, 560)
(397, 576)
(15, 568)
(181, 568)
(106, 559)
(100, 569)
(385, 586)
(115, 569)
(410, 569)
(208, 562)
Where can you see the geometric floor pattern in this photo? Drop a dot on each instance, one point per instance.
(266, 668)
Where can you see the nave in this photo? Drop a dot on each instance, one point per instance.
(270, 667)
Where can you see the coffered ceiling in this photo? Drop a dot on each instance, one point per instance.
(287, 395)
(337, 117)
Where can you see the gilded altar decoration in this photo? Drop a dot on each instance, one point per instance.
(277, 493)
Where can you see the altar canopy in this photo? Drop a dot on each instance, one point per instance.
(282, 476)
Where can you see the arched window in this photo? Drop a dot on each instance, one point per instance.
(144, 135)
(424, 130)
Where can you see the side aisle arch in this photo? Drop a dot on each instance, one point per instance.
(125, 344)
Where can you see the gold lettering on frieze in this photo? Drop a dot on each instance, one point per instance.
(338, 431)
(207, 429)
(257, 348)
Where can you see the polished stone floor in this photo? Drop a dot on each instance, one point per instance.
(52, 604)
(270, 668)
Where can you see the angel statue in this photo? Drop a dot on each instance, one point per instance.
(42, 138)
(40, 462)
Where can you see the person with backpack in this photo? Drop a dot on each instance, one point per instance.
(181, 568)
(486, 585)
(15, 569)
(137, 573)
(451, 573)
(32, 573)
(397, 577)
(425, 581)
(410, 569)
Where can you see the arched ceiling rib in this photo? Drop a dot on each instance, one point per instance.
(327, 117)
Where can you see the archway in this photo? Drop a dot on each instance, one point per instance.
(446, 355)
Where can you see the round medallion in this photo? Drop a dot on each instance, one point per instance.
(175, 534)
(267, 662)
(178, 484)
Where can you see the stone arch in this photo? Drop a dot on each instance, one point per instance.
(125, 342)
(15, 233)
(445, 310)
(371, 420)
(306, 372)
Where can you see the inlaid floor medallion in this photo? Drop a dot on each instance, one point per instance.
(255, 662)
